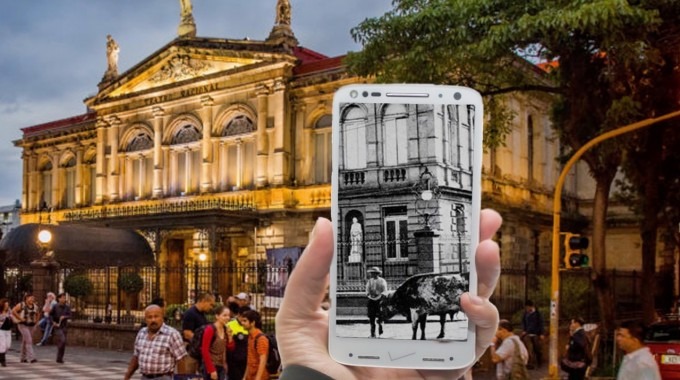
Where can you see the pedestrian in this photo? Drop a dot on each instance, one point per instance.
(194, 318)
(27, 314)
(578, 356)
(237, 359)
(533, 334)
(5, 330)
(510, 349)
(638, 363)
(158, 348)
(302, 328)
(59, 316)
(375, 287)
(45, 323)
(243, 300)
(258, 346)
(217, 340)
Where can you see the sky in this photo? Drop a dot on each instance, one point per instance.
(53, 53)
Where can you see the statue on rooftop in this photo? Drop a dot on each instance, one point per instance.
(112, 50)
(283, 12)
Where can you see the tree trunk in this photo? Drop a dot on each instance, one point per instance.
(600, 277)
(650, 222)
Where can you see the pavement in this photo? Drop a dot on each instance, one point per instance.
(80, 363)
(91, 363)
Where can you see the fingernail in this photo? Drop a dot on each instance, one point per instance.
(476, 300)
(313, 234)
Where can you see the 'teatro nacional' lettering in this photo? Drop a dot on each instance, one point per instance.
(183, 93)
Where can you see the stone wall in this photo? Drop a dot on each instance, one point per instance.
(100, 335)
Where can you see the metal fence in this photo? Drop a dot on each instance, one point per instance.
(577, 294)
(107, 302)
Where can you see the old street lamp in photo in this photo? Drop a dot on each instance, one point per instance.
(427, 193)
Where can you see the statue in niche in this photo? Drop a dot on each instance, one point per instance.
(283, 12)
(112, 50)
(356, 240)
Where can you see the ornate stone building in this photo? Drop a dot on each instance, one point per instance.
(222, 146)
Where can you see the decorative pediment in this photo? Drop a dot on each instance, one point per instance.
(179, 68)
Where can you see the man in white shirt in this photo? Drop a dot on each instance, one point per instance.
(504, 355)
(375, 287)
(638, 363)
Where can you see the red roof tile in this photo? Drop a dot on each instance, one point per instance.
(57, 124)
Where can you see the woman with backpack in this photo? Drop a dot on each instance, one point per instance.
(217, 339)
(27, 314)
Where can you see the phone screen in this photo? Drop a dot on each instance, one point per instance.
(405, 208)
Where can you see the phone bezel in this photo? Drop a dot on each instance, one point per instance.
(397, 353)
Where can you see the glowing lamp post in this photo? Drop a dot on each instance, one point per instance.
(201, 257)
(427, 192)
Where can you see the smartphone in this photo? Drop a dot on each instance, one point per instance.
(406, 189)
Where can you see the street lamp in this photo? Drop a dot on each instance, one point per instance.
(201, 257)
(427, 193)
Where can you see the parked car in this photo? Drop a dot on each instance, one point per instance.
(663, 339)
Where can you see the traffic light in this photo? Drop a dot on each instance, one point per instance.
(573, 255)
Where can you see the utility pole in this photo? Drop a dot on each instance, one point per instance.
(553, 372)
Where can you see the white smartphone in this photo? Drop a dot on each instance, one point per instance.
(406, 189)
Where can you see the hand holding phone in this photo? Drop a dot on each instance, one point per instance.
(302, 325)
(406, 193)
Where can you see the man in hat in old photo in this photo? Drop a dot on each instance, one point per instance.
(375, 288)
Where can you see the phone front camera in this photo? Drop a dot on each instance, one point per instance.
(457, 96)
(365, 94)
(353, 94)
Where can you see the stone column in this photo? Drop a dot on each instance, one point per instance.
(262, 169)
(101, 157)
(427, 244)
(32, 192)
(57, 175)
(299, 158)
(79, 175)
(114, 165)
(280, 149)
(206, 146)
(174, 183)
(157, 186)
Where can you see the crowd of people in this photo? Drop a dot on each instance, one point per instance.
(232, 344)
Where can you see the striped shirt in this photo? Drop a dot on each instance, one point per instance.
(160, 353)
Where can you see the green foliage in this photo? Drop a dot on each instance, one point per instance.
(170, 312)
(130, 283)
(78, 285)
(574, 296)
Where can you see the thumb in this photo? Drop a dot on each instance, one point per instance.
(308, 282)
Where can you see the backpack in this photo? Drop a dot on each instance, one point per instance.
(273, 357)
(518, 371)
(194, 347)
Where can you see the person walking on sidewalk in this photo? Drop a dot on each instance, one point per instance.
(533, 334)
(59, 316)
(158, 348)
(45, 323)
(638, 363)
(5, 330)
(258, 346)
(217, 340)
(27, 313)
(375, 287)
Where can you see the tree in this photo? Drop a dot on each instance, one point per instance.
(78, 285)
(594, 47)
(131, 284)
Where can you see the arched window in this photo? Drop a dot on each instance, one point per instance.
(140, 166)
(395, 137)
(237, 155)
(322, 149)
(353, 127)
(188, 160)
